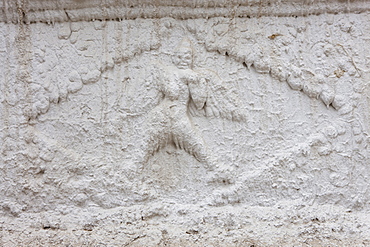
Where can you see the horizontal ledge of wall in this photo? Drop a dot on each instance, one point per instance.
(24, 14)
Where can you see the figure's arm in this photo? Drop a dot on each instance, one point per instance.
(198, 91)
(215, 97)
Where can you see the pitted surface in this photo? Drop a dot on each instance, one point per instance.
(194, 131)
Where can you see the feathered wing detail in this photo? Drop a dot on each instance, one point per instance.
(221, 99)
(145, 95)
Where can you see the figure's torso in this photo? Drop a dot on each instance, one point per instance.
(176, 91)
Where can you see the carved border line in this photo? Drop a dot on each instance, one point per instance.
(284, 73)
(47, 12)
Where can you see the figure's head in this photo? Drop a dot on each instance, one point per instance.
(183, 55)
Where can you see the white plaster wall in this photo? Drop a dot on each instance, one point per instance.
(76, 105)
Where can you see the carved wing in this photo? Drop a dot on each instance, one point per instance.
(141, 97)
(221, 99)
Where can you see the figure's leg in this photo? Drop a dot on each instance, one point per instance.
(187, 137)
(157, 135)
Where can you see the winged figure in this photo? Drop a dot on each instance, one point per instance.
(187, 92)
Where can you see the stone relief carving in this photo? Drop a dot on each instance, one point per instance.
(185, 91)
(273, 110)
(106, 107)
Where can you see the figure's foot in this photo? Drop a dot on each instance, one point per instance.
(211, 163)
(223, 175)
(143, 161)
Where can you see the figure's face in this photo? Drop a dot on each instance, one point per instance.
(183, 58)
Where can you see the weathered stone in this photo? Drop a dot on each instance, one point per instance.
(184, 123)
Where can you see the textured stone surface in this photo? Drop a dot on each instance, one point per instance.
(226, 130)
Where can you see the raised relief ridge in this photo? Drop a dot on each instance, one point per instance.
(52, 11)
